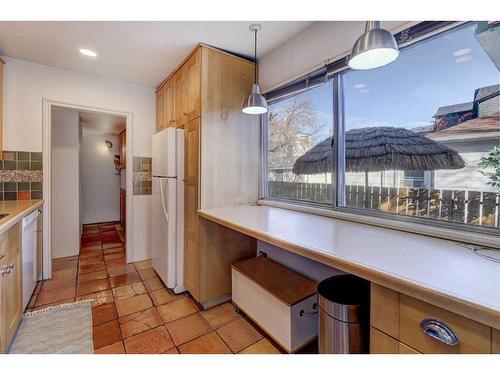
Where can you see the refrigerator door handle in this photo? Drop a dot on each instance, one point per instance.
(165, 212)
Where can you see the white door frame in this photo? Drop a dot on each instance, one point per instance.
(47, 165)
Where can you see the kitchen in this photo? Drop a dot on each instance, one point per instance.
(249, 228)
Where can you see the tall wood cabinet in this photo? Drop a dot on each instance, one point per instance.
(11, 297)
(222, 148)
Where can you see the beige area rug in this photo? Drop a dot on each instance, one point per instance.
(61, 329)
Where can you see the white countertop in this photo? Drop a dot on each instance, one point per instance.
(421, 266)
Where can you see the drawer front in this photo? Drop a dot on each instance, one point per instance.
(405, 349)
(473, 337)
(272, 315)
(384, 310)
(380, 343)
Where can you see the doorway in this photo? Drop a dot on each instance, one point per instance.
(88, 185)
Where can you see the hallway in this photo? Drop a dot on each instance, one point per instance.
(133, 312)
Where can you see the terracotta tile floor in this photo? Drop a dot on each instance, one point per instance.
(133, 312)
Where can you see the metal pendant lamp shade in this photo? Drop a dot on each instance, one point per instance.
(255, 103)
(375, 48)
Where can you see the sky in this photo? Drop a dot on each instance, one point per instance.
(406, 93)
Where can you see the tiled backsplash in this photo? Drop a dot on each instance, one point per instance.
(142, 175)
(21, 175)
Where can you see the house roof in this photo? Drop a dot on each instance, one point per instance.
(487, 124)
(455, 108)
(486, 92)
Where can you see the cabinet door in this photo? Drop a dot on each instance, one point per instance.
(181, 97)
(12, 295)
(194, 85)
(160, 118)
(191, 238)
(169, 104)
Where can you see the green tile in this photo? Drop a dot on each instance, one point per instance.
(10, 196)
(137, 164)
(36, 156)
(23, 165)
(9, 165)
(37, 186)
(10, 186)
(36, 166)
(36, 195)
(21, 155)
(23, 186)
(1, 195)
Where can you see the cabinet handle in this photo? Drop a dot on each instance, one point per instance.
(440, 331)
(315, 310)
(5, 270)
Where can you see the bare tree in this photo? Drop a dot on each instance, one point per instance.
(293, 129)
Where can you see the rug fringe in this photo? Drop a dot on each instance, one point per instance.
(56, 307)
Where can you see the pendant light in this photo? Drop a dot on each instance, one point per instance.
(375, 48)
(255, 104)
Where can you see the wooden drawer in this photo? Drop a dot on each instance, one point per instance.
(258, 293)
(473, 337)
(380, 343)
(384, 310)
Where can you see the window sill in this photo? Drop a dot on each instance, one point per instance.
(480, 239)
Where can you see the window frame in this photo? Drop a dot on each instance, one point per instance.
(443, 229)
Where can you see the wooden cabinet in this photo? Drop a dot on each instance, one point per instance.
(1, 109)
(178, 100)
(221, 163)
(169, 104)
(194, 85)
(191, 220)
(160, 109)
(396, 323)
(11, 288)
(181, 96)
(123, 149)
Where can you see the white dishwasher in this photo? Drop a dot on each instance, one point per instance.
(29, 255)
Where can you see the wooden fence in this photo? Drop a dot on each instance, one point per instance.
(464, 206)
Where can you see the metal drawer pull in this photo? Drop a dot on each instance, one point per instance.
(5, 270)
(440, 331)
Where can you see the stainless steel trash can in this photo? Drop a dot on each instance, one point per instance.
(344, 305)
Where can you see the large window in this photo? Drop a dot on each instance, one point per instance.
(295, 126)
(419, 137)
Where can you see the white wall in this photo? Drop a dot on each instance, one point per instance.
(26, 84)
(65, 183)
(311, 48)
(100, 184)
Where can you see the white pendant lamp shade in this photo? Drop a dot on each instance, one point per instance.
(255, 103)
(375, 48)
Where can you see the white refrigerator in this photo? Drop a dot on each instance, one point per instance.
(168, 207)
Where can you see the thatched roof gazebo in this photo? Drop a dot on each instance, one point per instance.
(380, 149)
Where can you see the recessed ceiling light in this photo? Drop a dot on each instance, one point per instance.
(88, 52)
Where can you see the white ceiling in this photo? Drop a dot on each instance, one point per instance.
(102, 123)
(138, 52)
